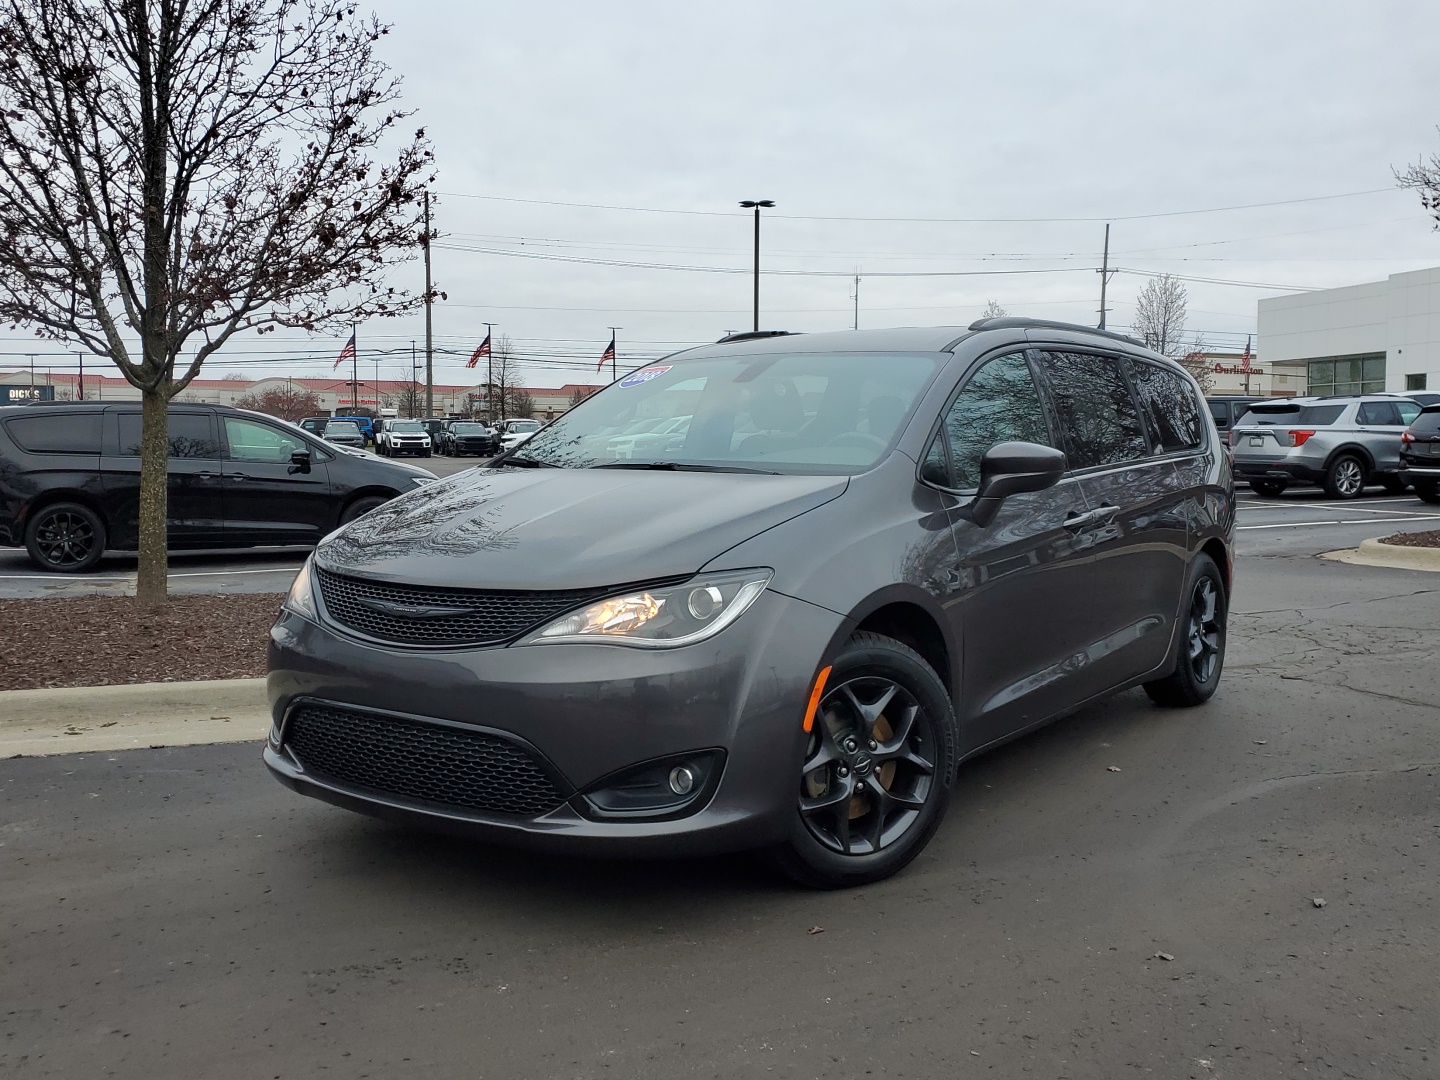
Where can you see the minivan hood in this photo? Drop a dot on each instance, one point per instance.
(515, 528)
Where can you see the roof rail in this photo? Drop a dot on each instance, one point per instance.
(1010, 323)
(752, 335)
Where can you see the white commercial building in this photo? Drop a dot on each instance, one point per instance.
(1383, 336)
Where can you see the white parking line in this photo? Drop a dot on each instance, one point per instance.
(1254, 502)
(129, 579)
(1356, 521)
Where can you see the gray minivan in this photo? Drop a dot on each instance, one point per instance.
(869, 556)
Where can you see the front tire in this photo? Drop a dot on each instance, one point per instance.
(878, 768)
(1200, 651)
(65, 538)
(1345, 478)
(361, 506)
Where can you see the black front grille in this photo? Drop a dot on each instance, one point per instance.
(439, 616)
(432, 763)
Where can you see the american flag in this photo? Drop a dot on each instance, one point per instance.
(608, 356)
(1246, 357)
(480, 353)
(347, 353)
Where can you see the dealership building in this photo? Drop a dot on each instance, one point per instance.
(1382, 336)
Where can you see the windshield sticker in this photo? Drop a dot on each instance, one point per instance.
(644, 375)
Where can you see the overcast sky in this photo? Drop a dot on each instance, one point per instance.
(1024, 126)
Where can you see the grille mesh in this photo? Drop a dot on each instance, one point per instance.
(481, 617)
(431, 763)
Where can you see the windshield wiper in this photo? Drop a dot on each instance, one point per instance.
(682, 466)
(522, 462)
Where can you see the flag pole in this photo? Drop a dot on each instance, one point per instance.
(490, 375)
(355, 368)
(614, 351)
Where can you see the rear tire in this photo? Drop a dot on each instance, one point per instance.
(1268, 488)
(1345, 478)
(1428, 491)
(361, 506)
(65, 538)
(878, 769)
(1200, 644)
(1395, 485)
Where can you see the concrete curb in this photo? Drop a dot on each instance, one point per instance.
(1374, 553)
(90, 718)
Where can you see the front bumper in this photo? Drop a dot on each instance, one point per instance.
(586, 711)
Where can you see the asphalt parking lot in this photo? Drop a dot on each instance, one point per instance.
(1246, 890)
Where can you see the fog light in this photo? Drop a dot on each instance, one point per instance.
(682, 780)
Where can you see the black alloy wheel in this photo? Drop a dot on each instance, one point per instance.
(878, 767)
(1345, 479)
(1268, 488)
(66, 538)
(1200, 653)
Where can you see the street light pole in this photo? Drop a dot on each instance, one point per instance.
(757, 204)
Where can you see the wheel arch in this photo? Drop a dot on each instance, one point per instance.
(1355, 449)
(898, 614)
(370, 491)
(61, 495)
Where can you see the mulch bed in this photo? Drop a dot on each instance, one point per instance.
(104, 640)
(1429, 539)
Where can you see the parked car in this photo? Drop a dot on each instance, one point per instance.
(669, 432)
(1420, 454)
(1340, 443)
(344, 433)
(315, 424)
(873, 555)
(70, 481)
(515, 432)
(365, 423)
(465, 437)
(1228, 409)
(434, 427)
(399, 437)
(1423, 398)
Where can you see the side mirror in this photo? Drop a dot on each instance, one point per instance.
(299, 462)
(1010, 468)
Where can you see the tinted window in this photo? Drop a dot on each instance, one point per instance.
(1310, 415)
(1098, 417)
(1379, 412)
(1169, 403)
(1428, 421)
(252, 441)
(1408, 411)
(1220, 410)
(191, 435)
(998, 404)
(59, 433)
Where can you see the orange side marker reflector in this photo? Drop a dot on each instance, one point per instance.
(815, 698)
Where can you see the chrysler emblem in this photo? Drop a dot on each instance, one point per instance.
(414, 611)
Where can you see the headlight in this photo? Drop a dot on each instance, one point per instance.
(301, 597)
(661, 618)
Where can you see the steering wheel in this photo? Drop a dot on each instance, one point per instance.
(858, 439)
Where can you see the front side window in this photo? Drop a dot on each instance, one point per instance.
(191, 435)
(998, 404)
(1169, 403)
(253, 441)
(1098, 417)
(803, 412)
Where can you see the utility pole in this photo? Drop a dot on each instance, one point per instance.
(1104, 275)
(429, 315)
(80, 389)
(757, 204)
(856, 298)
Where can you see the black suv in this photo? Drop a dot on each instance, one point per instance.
(1420, 454)
(70, 481)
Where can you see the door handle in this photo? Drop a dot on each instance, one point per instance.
(236, 476)
(1098, 516)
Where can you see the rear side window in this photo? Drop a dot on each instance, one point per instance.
(58, 433)
(1099, 421)
(1169, 403)
(1321, 415)
(191, 435)
(1428, 422)
(1379, 412)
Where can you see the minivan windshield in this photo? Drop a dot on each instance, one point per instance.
(785, 412)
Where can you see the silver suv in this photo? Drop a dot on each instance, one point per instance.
(1340, 443)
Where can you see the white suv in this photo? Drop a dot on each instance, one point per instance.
(403, 437)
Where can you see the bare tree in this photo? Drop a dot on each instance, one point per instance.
(993, 311)
(1424, 177)
(521, 403)
(579, 394)
(410, 398)
(180, 168)
(505, 371)
(1160, 315)
(287, 402)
